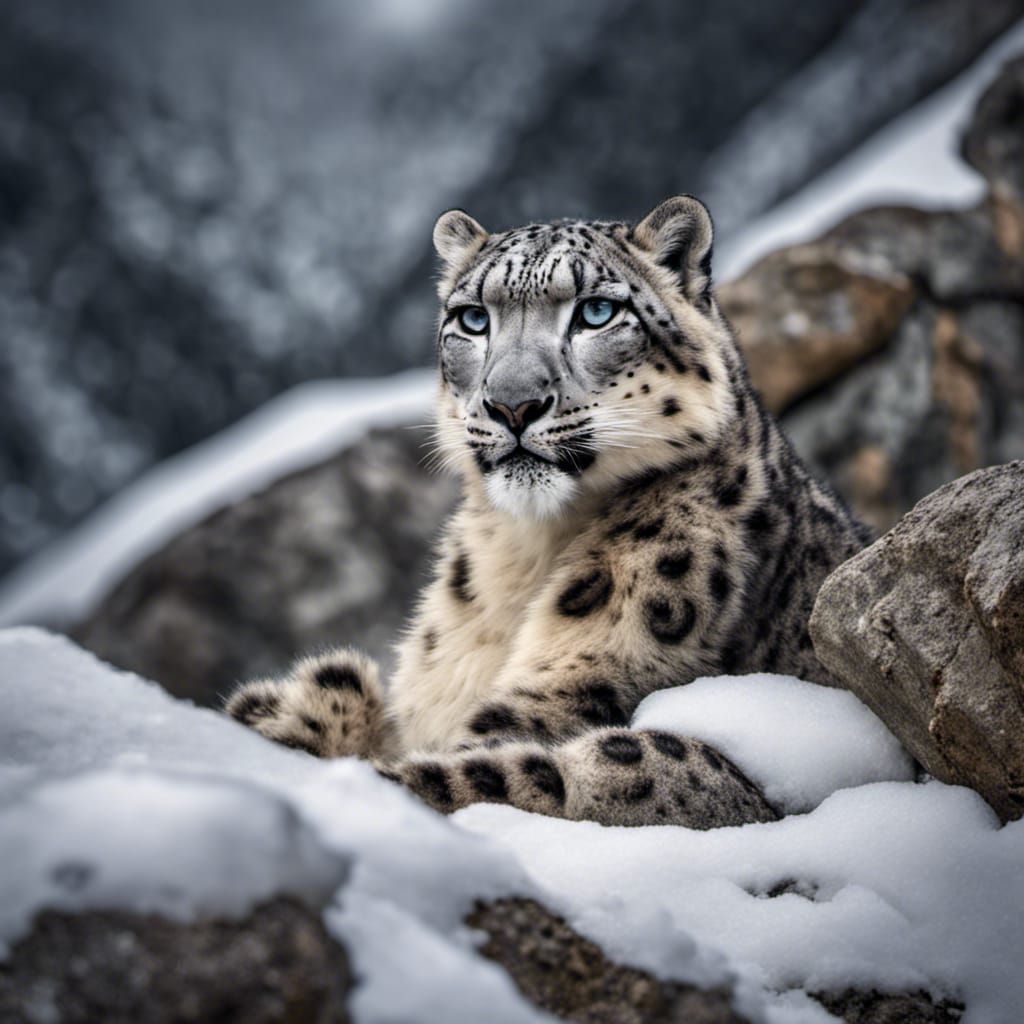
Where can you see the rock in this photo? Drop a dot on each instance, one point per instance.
(926, 626)
(805, 315)
(994, 142)
(942, 399)
(561, 972)
(565, 974)
(883, 1008)
(333, 554)
(994, 145)
(891, 345)
(112, 966)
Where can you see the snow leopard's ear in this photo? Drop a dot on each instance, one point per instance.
(457, 237)
(678, 234)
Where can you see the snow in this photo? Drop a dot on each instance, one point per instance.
(913, 159)
(298, 429)
(77, 843)
(113, 794)
(908, 887)
(799, 742)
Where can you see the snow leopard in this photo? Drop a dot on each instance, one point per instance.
(632, 518)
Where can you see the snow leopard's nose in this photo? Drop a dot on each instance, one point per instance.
(519, 418)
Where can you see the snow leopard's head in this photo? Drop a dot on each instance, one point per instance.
(577, 354)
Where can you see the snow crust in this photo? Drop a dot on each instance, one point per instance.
(298, 429)
(799, 742)
(113, 794)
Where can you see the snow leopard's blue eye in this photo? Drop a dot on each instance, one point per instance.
(597, 312)
(474, 319)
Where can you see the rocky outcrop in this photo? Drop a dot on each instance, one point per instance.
(332, 554)
(806, 315)
(926, 626)
(277, 965)
(891, 345)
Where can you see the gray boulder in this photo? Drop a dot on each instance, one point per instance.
(926, 626)
(333, 554)
(279, 964)
(891, 346)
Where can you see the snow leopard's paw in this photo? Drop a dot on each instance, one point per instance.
(329, 705)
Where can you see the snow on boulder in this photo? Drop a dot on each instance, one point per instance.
(116, 798)
(114, 795)
(894, 887)
(798, 741)
(294, 431)
(156, 843)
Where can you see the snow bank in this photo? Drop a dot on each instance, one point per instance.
(799, 742)
(155, 842)
(114, 794)
(913, 159)
(893, 886)
(301, 427)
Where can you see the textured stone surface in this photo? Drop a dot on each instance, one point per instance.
(892, 345)
(884, 1008)
(567, 975)
(805, 315)
(944, 397)
(926, 626)
(333, 554)
(279, 965)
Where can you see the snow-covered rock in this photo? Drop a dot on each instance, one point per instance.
(155, 842)
(115, 795)
(299, 429)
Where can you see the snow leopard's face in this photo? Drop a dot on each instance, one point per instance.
(577, 354)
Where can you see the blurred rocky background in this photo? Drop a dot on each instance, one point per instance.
(202, 204)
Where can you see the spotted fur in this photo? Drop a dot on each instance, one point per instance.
(632, 518)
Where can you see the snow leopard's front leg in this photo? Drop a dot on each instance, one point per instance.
(329, 705)
(611, 776)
